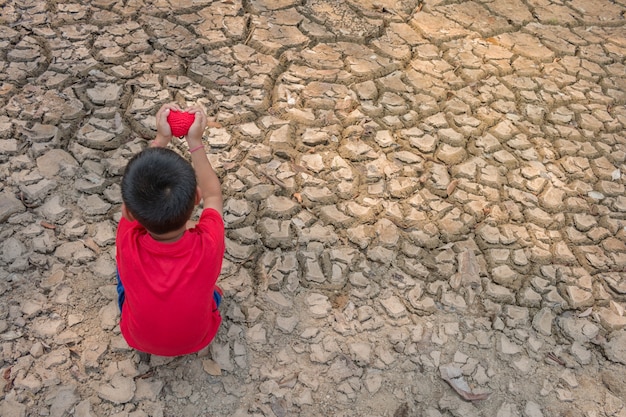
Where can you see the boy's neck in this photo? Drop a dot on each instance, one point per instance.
(169, 237)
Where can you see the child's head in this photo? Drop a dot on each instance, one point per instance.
(159, 189)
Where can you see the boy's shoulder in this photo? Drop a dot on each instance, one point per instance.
(210, 214)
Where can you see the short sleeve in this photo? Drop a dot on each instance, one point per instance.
(211, 224)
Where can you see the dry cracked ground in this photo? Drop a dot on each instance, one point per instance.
(424, 203)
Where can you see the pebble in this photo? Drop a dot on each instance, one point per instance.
(93, 351)
(12, 408)
(287, 324)
(220, 353)
(83, 409)
(319, 305)
(581, 353)
(62, 400)
(9, 205)
(361, 353)
(278, 300)
(47, 327)
(109, 316)
(507, 347)
(532, 409)
(542, 321)
(394, 307)
(615, 348)
(119, 390)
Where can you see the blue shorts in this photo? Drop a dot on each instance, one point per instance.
(121, 296)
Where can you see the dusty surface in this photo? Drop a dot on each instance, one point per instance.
(415, 193)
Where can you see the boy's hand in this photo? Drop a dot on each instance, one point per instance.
(164, 131)
(194, 136)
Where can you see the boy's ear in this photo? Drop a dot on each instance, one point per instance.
(198, 196)
(127, 214)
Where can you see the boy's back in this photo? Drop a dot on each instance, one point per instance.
(169, 307)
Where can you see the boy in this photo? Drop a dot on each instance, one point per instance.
(167, 271)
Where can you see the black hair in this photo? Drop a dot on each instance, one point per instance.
(159, 189)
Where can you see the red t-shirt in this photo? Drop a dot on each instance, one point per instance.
(169, 308)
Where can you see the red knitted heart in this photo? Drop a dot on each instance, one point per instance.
(180, 122)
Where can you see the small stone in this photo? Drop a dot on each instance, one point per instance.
(523, 365)
(319, 306)
(532, 409)
(580, 353)
(67, 337)
(103, 93)
(460, 357)
(120, 390)
(361, 353)
(578, 298)
(615, 348)
(109, 316)
(394, 307)
(92, 354)
(37, 192)
(53, 210)
(44, 327)
(612, 405)
(29, 382)
(104, 268)
(381, 254)
(12, 408)
(278, 300)
(610, 319)
(102, 134)
(451, 155)
(211, 367)
(564, 395)
(287, 324)
(147, 389)
(63, 400)
(104, 234)
(12, 249)
(507, 347)
(259, 192)
(31, 308)
(373, 382)
(9, 205)
(93, 205)
(499, 293)
(542, 322)
(73, 251)
(220, 352)
(57, 162)
(36, 350)
(615, 381)
(281, 207)
(569, 378)
(426, 305)
(504, 275)
(83, 409)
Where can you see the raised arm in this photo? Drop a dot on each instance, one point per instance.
(209, 183)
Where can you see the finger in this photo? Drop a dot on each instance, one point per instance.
(173, 106)
(166, 108)
(200, 118)
(194, 109)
